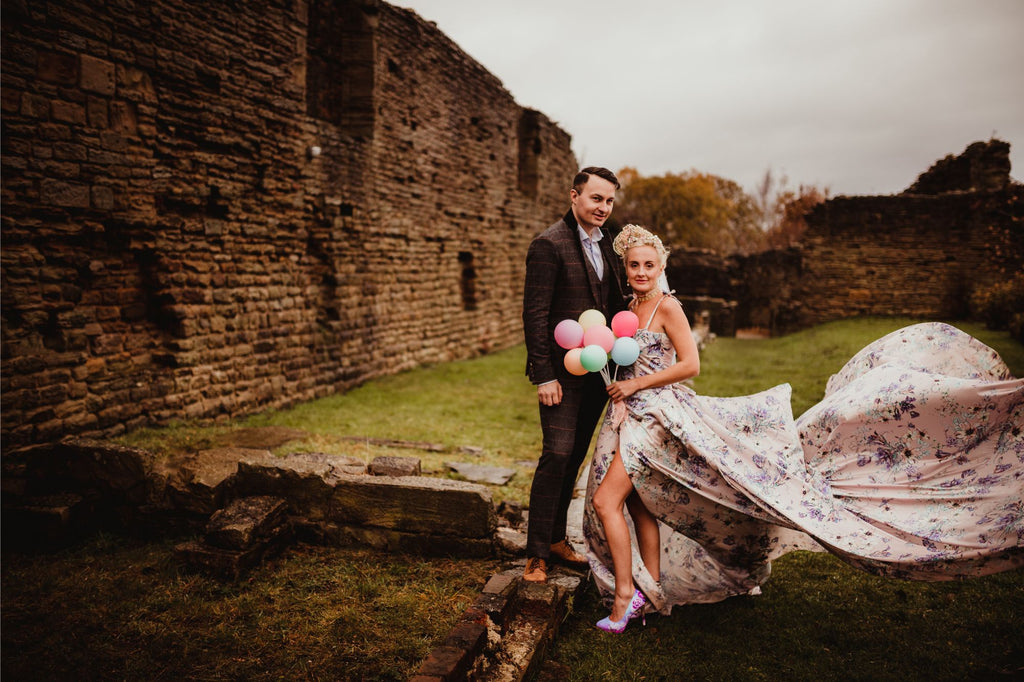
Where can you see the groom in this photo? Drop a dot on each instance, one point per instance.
(570, 267)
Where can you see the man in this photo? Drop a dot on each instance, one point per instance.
(570, 267)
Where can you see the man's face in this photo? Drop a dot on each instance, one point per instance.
(593, 203)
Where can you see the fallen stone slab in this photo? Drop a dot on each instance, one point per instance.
(112, 469)
(432, 506)
(245, 521)
(306, 479)
(232, 563)
(44, 519)
(482, 473)
(201, 482)
(395, 466)
(510, 541)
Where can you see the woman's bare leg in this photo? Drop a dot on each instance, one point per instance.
(648, 535)
(608, 500)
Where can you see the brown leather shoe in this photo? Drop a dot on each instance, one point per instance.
(536, 570)
(564, 552)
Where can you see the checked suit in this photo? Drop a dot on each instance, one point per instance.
(560, 284)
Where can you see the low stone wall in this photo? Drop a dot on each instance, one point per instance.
(904, 255)
(79, 484)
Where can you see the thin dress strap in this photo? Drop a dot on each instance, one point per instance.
(654, 312)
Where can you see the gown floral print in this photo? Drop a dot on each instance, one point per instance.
(912, 466)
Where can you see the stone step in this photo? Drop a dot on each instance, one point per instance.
(504, 636)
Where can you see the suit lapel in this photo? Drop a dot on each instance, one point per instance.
(588, 268)
(611, 262)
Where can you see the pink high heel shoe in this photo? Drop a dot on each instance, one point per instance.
(635, 608)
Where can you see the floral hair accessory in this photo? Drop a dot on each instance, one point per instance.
(634, 235)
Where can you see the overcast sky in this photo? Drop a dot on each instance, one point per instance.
(859, 96)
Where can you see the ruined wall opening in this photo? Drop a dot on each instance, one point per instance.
(467, 281)
(530, 148)
(341, 57)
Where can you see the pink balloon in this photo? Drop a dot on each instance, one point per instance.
(572, 362)
(599, 335)
(625, 323)
(569, 334)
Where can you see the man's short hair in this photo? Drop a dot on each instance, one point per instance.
(584, 175)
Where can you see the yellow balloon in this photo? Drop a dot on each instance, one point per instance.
(590, 318)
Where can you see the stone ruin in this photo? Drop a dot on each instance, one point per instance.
(82, 485)
(215, 209)
(210, 211)
(920, 253)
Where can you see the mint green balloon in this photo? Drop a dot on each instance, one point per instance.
(593, 358)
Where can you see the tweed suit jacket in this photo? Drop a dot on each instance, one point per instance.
(559, 286)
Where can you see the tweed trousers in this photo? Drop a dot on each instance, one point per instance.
(568, 429)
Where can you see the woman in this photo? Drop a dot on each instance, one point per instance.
(912, 465)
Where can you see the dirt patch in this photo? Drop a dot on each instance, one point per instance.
(262, 437)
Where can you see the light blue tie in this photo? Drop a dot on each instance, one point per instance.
(595, 257)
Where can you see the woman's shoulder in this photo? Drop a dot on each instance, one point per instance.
(671, 305)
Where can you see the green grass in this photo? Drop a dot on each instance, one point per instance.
(817, 619)
(482, 403)
(808, 358)
(116, 609)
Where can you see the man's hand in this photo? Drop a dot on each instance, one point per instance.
(550, 393)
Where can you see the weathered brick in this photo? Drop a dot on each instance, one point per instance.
(97, 75)
(58, 193)
(68, 112)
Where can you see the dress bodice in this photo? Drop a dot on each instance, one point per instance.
(656, 350)
(656, 353)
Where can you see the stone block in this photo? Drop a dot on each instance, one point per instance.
(202, 481)
(245, 521)
(66, 194)
(113, 469)
(67, 112)
(97, 75)
(395, 466)
(454, 659)
(415, 505)
(482, 473)
(510, 541)
(57, 67)
(232, 563)
(41, 520)
(306, 480)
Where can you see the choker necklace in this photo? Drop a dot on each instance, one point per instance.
(640, 298)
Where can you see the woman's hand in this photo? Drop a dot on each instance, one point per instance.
(620, 390)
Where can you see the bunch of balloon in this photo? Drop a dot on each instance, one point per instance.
(591, 343)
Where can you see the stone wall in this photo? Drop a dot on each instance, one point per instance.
(210, 209)
(920, 253)
(913, 255)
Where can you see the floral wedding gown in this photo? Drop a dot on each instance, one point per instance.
(912, 466)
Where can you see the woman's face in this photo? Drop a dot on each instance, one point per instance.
(643, 267)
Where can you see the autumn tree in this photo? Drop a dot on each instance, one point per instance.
(691, 209)
(791, 209)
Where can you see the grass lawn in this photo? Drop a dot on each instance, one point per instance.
(113, 608)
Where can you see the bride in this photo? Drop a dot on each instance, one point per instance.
(912, 465)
